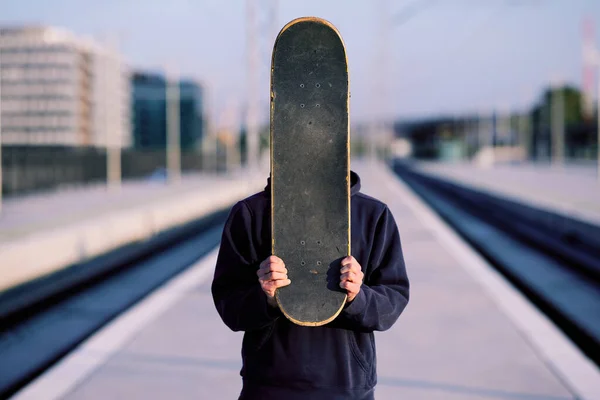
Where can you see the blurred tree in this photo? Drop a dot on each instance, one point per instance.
(579, 133)
(573, 110)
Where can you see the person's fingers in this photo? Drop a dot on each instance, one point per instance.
(348, 264)
(272, 285)
(267, 267)
(264, 273)
(351, 276)
(271, 260)
(281, 283)
(354, 269)
(273, 276)
(350, 286)
(279, 267)
(347, 260)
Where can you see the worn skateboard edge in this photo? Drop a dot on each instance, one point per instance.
(311, 19)
(310, 323)
(272, 98)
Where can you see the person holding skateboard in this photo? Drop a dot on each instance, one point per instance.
(310, 267)
(283, 360)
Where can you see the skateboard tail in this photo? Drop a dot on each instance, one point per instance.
(309, 323)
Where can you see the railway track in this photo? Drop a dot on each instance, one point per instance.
(554, 261)
(43, 320)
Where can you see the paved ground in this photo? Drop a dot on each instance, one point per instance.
(453, 342)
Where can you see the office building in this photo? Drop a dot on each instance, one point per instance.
(150, 112)
(60, 89)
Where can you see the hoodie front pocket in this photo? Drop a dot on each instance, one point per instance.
(255, 340)
(356, 353)
(266, 336)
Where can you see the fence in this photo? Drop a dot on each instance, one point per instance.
(27, 169)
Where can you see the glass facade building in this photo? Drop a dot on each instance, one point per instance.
(149, 111)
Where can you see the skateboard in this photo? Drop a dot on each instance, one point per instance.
(310, 168)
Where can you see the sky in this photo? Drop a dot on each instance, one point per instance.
(440, 56)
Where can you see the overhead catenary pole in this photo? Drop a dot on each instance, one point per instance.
(589, 68)
(380, 101)
(591, 59)
(113, 142)
(526, 127)
(274, 21)
(524, 141)
(1, 171)
(558, 124)
(210, 145)
(480, 132)
(386, 67)
(251, 85)
(173, 127)
(598, 123)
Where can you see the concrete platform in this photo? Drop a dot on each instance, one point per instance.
(466, 334)
(572, 191)
(71, 226)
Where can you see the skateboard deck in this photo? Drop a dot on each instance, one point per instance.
(310, 168)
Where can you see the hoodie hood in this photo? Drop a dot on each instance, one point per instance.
(354, 184)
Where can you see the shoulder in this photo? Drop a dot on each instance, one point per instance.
(250, 207)
(365, 202)
(254, 202)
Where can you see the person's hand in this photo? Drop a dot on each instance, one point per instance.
(272, 274)
(351, 277)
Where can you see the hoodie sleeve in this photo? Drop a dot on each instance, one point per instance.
(385, 291)
(238, 297)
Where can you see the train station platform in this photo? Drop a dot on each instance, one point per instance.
(466, 333)
(75, 225)
(569, 190)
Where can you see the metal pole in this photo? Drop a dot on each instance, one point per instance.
(252, 103)
(274, 19)
(525, 129)
(211, 138)
(558, 125)
(113, 149)
(598, 122)
(1, 171)
(591, 56)
(209, 147)
(380, 64)
(480, 134)
(173, 128)
(522, 132)
(492, 132)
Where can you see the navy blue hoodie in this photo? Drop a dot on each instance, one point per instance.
(282, 360)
